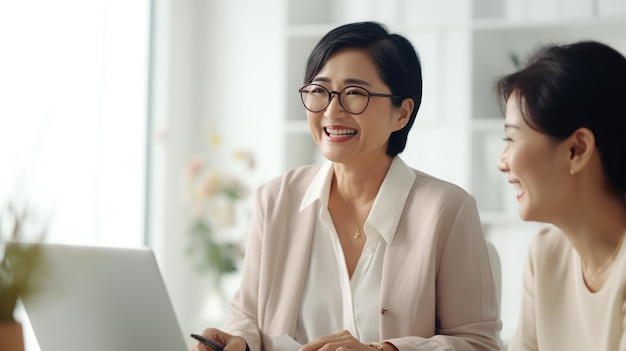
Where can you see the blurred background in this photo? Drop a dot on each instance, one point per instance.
(151, 123)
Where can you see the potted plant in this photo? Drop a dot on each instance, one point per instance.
(18, 266)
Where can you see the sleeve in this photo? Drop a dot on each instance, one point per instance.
(468, 317)
(244, 304)
(525, 337)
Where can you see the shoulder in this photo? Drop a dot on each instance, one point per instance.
(549, 239)
(438, 190)
(293, 181)
(439, 202)
(551, 248)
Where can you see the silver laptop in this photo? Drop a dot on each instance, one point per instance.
(102, 299)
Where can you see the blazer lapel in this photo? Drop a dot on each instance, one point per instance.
(285, 298)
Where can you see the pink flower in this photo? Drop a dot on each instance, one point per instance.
(247, 157)
(210, 185)
(194, 167)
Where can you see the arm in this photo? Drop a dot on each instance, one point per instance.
(244, 305)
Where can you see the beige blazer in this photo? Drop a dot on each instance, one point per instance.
(437, 290)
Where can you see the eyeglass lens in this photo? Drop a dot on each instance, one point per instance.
(316, 98)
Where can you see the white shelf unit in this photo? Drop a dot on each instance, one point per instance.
(464, 46)
(300, 147)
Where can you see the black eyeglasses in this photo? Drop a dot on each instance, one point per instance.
(353, 99)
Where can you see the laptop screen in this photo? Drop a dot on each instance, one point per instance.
(102, 299)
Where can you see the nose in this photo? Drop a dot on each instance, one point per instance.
(334, 105)
(502, 163)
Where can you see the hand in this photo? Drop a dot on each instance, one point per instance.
(339, 341)
(230, 342)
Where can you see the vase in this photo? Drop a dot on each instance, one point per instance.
(215, 306)
(11, 336)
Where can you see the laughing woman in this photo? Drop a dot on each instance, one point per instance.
(565, 128)
(363, 252)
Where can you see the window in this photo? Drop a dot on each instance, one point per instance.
(73, 118)
(73, 115)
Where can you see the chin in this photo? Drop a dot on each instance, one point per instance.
(530, 216)
(524, 214)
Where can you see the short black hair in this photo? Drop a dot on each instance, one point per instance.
(398, 65)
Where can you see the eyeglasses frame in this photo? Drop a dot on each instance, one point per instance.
(338, 93)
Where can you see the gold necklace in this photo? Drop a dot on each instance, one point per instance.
(606, 263)
(357, 234)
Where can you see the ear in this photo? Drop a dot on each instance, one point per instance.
(582, 145)
(405, 113)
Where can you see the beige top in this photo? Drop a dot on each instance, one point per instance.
(436, 292)
(558, 312)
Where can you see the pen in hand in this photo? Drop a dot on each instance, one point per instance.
(214, 344)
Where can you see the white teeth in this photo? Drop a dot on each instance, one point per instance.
(340, 132)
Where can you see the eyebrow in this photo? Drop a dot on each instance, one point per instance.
(346, 81)
(512, 126)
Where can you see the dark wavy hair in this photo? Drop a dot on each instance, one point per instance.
(397, 61)
(566, 87)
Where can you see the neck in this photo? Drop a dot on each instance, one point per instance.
(596, 230)
(360, 184)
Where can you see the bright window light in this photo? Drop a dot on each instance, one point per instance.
(73, 97)
(73, 120)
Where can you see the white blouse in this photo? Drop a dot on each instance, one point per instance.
(331, 301)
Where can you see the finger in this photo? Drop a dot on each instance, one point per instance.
(331, 342)
(216, 335)
(235, 343)
(315, 344)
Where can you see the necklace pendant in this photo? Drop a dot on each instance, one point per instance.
(358, 233)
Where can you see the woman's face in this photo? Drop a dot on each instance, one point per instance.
(346, 138)
(536, 165)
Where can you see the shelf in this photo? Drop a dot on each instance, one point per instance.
(497, 24)
(498, 46)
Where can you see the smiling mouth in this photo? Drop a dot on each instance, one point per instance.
(339, 133)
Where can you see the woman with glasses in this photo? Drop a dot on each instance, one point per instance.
(565, 153)
(363, 252)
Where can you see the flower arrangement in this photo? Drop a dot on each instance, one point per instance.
(214, 199)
